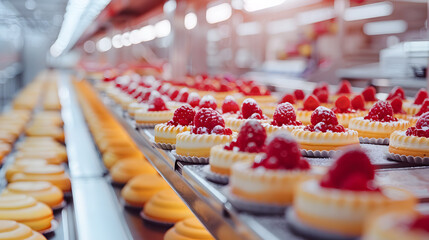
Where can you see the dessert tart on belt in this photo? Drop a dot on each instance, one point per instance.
(51, 173)
(230, 108)
(43, 192)
(26, 210)
(413, 108)
(284, 118)
(398, 111)
(345, 110)
(325, 133)
(412, 142)
(156, 112)
(166, 206)
(369, 96)
(424, 109)
(10, 229)
(379, 123)
(250, 142)
(208, 131)
(345, 89)
(182, 119)
(271, 179)
(124, 170)
(189, 228)
(342, 201)
(304, 114)
(249, 110)
(397, 225)
(141, 188)
(321, 92)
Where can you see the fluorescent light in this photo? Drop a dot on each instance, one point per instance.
(249, 28)
(162, 28)
(190, 20)
(281, 26)
(116, 41)
(385, 27)
(256, 5)
(218, 13)
(374, 10)
(125, 39)
(135, 37)
(147, 33)
(318, 15)
(104, 44)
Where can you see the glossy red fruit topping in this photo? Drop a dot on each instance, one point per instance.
(255, 90)
(285, 115)
(421, 96)
(290, 98)
(423, 121)
(358, 103)
(345, 88)
(381, 111)
(424, 108)
(421, 223)
(396, 92)
(422, 127)
(311, 103)
(209, 121)
(369, 94)
(229, 105)
(282, 152)
(251, 138)
(397, 106)
(323, 96)
(183, 116)
(299, 94)
(323, 114)
(321, 87)
(157, 104)
(183, 97)
(208, 101)
(342, 105)
(351, 171)
(251, 109)
(173, 94)
(194, 99)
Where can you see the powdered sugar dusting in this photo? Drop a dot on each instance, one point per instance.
(249, 101)
(207, 99)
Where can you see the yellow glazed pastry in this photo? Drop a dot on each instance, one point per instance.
(141, 188)
(123, 171)
(188, 229)
(19, 166)
(155, 112)
(249, 110)
(43, 192)
(11, 230)
(26, 210)
(51, 173)
(166, 206)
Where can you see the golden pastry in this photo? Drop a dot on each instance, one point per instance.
(51, 173)
(43, 192)
(123, 171)
(187, 229)
(11, 230)
(141, 188)
(20, 164)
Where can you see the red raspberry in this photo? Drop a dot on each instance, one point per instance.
(369, 94)
(157, 104)
(255, 90)
(343, 104)
(381, 111)
(288, 98)
(206, 119)
(173, 94)
(413, 131)
(421, 96)
(224, 87)
(229, 105)
(321, 87)
(423, 121)
(424, 108)
(358, 103)
(183, 97)
(345, 87)
(323, 96)
(285, 115)
(311, 103)
(251, 137)
(396, 92)
(208, 101)
(323, 114)
(299, 94)
(194, 99)
(397, 105)
(421, 223)
(221, 130)
(249, 108)
(184, 116)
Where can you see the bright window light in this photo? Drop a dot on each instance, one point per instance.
(135, 37)
(281, 26)
(104, 44)
(218, 13)
(249, 28)
(256, 5)
(125, 39)
(314, 16)
(374, 10)
(191, 20)
(385, 27)
(116, 41)
(162, 28)
(147, 33)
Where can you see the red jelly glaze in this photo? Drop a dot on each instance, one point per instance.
(285, 115)
(381, 111)
(396, 92)
(183, 116)
(251, 110)
(369, 94)
(345, 87)
(157, 104)
(343, 105)
(421, 95)
(424, 108)
(420, 223)
(209, 121)
(299, 94)
(290, 98)
(251, 138)
(397, 105)
(310, 103)
(358, 103)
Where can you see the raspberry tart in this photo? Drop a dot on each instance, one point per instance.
(324, 133)
(398, 111)
(423, 109)
(230, 108)
(287, 98)
(250, 141)
(413, 107)
(341, 202)
(156, 112)
(272, 177)
(377, 126)
(345, 89)
(304, 114)
(249, 110)
(209, 130)
(165, 133)
(369, 96)
(284, 118)
(344, 111)
(321, 91)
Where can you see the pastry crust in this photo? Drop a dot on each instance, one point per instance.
(325, 140)
(408, 145)
(190, 228)
(374, 129)
(51, 173)
(167, 134)
(123, 171)
(221, 160)
(199, 145)
(17, 231)
(261, 100)
(235, 123)
(142, 116)
(344, 118)
(270, 129)
(44, 192)
(411, 108)
(141, 188)
(304, 116)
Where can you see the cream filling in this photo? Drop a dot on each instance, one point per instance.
(399, 140)
(326, 138)
(168, 132)
(222, 158)
(364, 125)
(142, 115)
(186, 140)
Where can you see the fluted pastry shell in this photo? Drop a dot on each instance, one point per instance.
(221, 160)
(375, 129)
(51, 173)
(142, 116)
(199, 145)
(43, 192)
(141, 188)
(344, 118)
(325, 140)
(235, 123)
(26, 210)
(19, 166)
(411, 108)
(123, 171)
(11, 230)
(133, 107)
(167, 133)
(270, 129)
(342, 211)
(408, 145)
(166, 206)
(188, 229)
(412, 120)
(304, 116)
